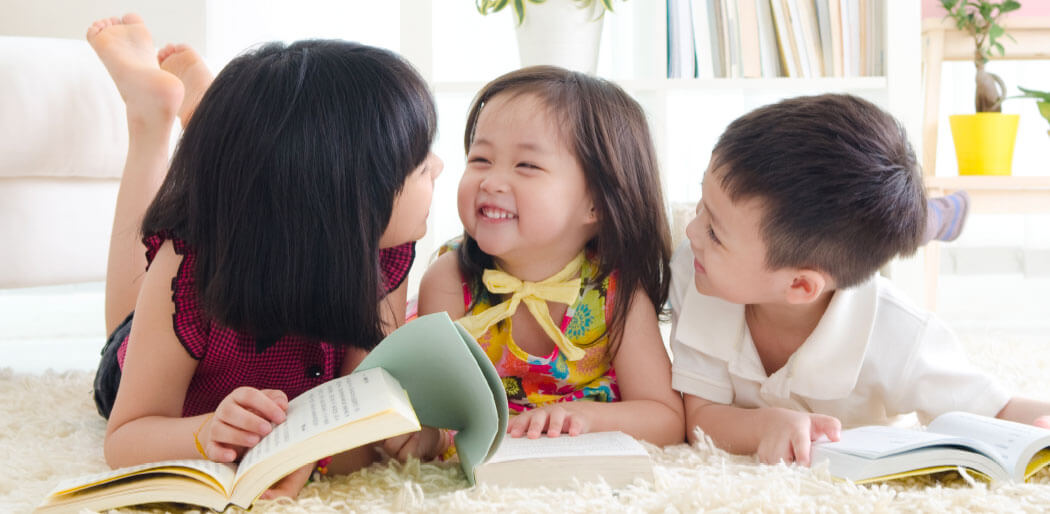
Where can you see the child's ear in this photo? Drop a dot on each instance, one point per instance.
(592, 215)
(807, 285)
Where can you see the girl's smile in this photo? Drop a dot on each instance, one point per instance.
(493, 214)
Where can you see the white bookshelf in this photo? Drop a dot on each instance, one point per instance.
(686, 115)
(640, 67)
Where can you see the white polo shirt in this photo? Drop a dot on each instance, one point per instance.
(872, 357)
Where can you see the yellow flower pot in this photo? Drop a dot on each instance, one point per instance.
(984, 142)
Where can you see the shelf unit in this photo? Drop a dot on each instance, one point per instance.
(669, 101)
(941, 41)
(902, 61)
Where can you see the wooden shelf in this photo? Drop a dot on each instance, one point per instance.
(998, 194)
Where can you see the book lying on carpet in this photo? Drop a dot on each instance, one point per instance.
(429, 371)
(997, 450)
(554, 462)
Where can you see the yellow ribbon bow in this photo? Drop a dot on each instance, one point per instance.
(557, 288)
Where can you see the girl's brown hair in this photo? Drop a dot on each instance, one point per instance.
(610, 138)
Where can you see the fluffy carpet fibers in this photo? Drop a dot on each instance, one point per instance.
(49, 431)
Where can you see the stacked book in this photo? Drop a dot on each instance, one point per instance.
(775, 38)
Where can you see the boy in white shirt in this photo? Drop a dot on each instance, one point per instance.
(782, 329)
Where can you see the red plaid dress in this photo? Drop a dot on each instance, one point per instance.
(229, 359)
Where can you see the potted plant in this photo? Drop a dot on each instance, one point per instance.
(984, 142)
(1042, 101)
(564, 33)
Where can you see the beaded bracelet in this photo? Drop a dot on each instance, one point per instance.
(448, 445)
(322, 465)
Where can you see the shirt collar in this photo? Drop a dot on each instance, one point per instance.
(825, 367)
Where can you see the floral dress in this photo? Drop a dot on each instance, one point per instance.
(534, 381)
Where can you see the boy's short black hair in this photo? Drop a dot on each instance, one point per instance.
(838, 180)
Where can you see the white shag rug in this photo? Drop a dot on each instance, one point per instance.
(49, 431)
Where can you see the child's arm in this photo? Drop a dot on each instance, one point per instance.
(1026, 410)
(441, 288)
(772, 434)
(146, 424)
(649, 408)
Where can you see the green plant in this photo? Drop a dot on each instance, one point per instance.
(981, 19)
(491, 6)
(1042, 100)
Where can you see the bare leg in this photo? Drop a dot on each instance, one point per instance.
(184, 62)
(152, 97)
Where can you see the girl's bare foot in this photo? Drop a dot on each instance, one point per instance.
(125, 47)
(184, 62)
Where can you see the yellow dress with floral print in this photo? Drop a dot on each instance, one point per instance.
(534, 381)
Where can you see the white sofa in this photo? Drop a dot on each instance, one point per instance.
(63, 139)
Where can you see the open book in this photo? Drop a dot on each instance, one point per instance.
(996, 449)
(614, 457)
(430, 363)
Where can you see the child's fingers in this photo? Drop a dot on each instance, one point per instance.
(230, 435)
(290, 485)
(514, 426)
(410, 448)
(1042, 422)
(826, 425)
(258, 402)
(239, 418)
(577, 426)
(774, 451)
(393, 445)
(800, 443)
(517, 425)
(555, 422)
(537, 424)
(278, 397)
(219, 452)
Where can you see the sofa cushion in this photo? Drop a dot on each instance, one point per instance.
(61, 113)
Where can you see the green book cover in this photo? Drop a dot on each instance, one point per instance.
(450, 382)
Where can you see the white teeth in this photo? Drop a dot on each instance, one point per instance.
(496, 213)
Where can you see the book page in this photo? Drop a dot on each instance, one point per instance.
(875, 441)
(327, 406)
(594, 444)
(219, 475)
(1013, 444)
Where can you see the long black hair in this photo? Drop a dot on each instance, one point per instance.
(284, 181)
(609, 135)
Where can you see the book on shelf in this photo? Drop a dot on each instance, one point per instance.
(681, 52)
(614, 457)
(771, 38)
(834, 14)
(748, 31)
(827, 52)
(429, 371)
(995, 449)
(720, 29)
(705, 42)
(769, 52)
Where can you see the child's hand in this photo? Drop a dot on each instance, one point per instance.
(789, 435)
(290, 485)
(240, 421)
(1042, 422)
(551, 419)
(423, 445)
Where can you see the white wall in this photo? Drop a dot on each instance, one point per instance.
(181, 21)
